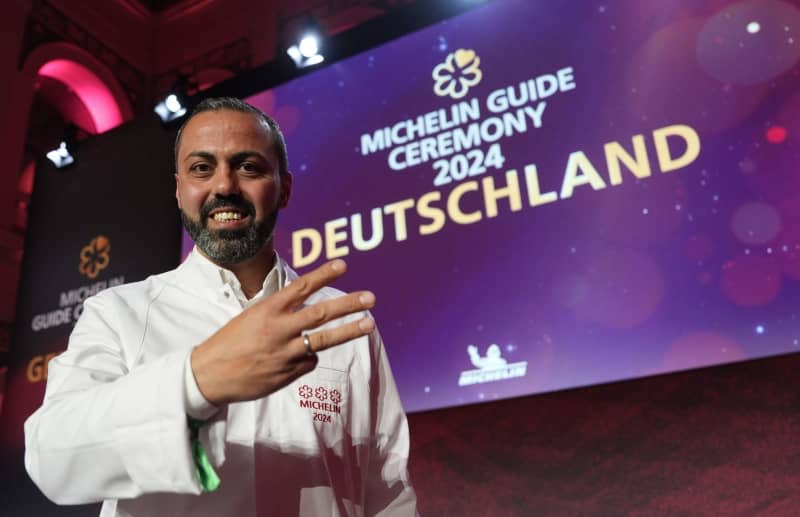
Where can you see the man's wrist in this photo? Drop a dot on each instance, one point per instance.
(197, 406)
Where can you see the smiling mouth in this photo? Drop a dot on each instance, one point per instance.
(227, 215)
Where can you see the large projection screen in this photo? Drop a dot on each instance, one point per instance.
(546, 195)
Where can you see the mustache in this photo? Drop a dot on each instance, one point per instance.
(230, 201)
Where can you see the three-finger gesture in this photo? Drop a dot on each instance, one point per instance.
(272, 343)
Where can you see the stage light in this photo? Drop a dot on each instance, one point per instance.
(170, 108)
(172, 103)
(307, 51)
(61, 157)
(309, 46)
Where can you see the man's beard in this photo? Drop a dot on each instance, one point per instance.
(230, 246)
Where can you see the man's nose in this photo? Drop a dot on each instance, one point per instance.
(226, 181)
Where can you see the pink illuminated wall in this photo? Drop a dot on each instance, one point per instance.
(96, 96)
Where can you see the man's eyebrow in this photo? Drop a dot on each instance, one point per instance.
(201, 154)
(243, 155)
(237, 157)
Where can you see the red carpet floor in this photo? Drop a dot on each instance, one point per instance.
(717, 441)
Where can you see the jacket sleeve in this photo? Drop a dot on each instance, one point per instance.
(388, 489)
(108, 430)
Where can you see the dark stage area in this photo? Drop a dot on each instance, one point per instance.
(723, 440)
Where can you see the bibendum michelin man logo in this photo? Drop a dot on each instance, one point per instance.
(95, 257)
(457, 74)
(491, 367)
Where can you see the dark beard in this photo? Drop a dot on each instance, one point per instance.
(230, 246)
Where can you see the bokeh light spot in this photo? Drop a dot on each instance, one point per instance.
(751, 280)
(618, 288)
(723, 53)
(776, 134)
(756, 223)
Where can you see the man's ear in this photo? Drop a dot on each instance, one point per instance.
(286, 189)
(177, 191)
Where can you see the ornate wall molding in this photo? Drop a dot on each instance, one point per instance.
(47, 24)
(235, 57)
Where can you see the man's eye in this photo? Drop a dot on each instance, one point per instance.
(200, 167)
(249, 167)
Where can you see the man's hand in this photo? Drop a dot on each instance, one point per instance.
(262, 350)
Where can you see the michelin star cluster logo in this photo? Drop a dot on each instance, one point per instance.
(457, 74)
(491, 367)
(324, 403)
(92, 259)
(95, 257)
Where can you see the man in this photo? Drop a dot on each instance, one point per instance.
(228, 366)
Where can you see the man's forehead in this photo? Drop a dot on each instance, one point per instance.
(227, 120)
(225, 128)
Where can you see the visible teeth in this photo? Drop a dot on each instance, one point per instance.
(227, 216)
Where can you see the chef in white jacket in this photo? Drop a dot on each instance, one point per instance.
(227, 386)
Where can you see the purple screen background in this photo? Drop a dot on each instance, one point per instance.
(694, 267)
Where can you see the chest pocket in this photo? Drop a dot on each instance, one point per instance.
(318, 406)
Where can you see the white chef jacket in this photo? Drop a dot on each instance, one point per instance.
(113, 427)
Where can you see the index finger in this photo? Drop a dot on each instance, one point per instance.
(304, 286)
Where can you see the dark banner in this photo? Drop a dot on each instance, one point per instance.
(108, 219)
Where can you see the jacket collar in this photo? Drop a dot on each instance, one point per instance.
(200, 275)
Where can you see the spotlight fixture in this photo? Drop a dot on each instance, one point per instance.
(61, 156)
(170, 108)
(173, 105)
(307, 49)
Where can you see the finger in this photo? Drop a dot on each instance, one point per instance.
(320, 313)
(328, 338)
(304, 286)
(299, 367)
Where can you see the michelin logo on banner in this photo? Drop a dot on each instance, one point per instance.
(457, 74)
(463, 139)
(92, 259)
(462, 143)
(490, 368)
(95, 257)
